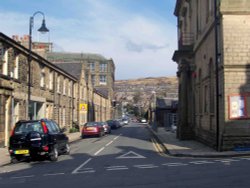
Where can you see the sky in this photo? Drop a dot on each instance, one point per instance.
(139, 35)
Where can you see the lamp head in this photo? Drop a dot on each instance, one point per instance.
(43, 29)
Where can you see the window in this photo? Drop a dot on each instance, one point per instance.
(69, 88)
(75, 90)
(52, 127)
(206, 99)
(92, 66)
(103, 80)
(103, 67)
(64, 86)
(51, 80)
(58, 84)
(42, 74)
(5, 62)
(80, 94)
(93, 80)
(16, 67)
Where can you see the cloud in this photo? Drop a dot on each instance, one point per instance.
(131, 46)
(141, 44)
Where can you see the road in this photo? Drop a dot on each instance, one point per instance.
(127, 158)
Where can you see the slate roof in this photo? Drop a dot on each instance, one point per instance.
(103, 91)
(72, 68)
(166, 103)
(67, 56)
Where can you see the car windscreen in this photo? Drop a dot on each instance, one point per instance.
(26, 127)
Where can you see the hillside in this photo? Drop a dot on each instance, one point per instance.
(138, 92)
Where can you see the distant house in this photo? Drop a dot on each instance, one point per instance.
(163, 112)
(166, 110)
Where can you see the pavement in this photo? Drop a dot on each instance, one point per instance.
(171, 146)
(4, 154)
(189, 148)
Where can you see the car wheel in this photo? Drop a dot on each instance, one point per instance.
(53, 155)
(100, 134)
(83, 136)
(14, 160)
(67, 149)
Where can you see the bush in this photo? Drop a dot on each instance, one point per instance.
(73, 130)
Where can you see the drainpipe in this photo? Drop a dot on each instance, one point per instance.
(217, 56)
(72, 101)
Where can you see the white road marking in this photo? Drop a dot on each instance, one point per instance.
(146, 166)
(55, 174)
(244, 158)
(109, 143)
(86, 170)
(201, 162)
(131, 155)
(116, 168)
(175, 164)
(17, 177)
(117, 137)
(82, 165)
(226, 160)
(96, 153)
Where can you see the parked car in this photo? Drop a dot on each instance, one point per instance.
(92, 129)
(143, 120)
(33, 138)
(120, 122)
(112, 124)
(107, 128)
(125, 121)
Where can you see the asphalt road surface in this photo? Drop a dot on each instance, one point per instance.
(128, 158)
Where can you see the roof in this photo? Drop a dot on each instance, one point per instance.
(166, 103)
(9, 41)
(67, 56)
(72, 68)
(102, 91)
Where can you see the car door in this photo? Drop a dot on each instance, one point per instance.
(52, 133)
(61, 137)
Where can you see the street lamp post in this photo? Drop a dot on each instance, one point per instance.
(42, 29)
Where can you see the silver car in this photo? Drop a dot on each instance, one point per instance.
(107, 128)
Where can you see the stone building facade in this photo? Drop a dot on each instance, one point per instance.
(213, 69)
(101, 70)
(55, 93)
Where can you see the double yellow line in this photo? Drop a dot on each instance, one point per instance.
(158, 148)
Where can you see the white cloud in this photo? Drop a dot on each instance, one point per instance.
(140, 45)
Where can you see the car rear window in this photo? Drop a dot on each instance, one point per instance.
(91, 124)
(26, 127)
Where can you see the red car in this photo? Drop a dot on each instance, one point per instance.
(92, 129)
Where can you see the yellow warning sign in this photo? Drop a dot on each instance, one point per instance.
(83, 107)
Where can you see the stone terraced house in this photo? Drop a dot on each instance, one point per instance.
(54, 93)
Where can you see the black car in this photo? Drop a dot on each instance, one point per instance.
(114, 124)
(34, 138)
